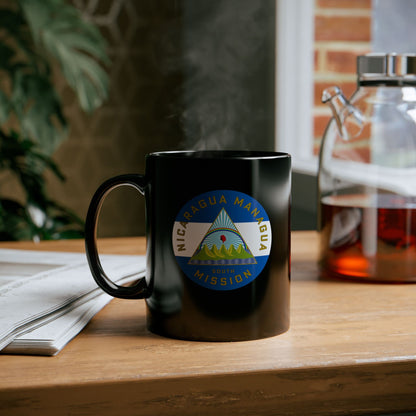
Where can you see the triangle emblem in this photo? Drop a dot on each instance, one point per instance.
(222, 245)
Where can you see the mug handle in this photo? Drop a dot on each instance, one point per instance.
(140, 289)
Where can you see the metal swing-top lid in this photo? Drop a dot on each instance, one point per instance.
(387, 68)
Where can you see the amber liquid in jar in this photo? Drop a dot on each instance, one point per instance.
(370, 238)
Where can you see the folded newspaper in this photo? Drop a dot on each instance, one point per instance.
(46, 298)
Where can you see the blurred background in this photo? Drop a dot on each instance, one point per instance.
(184, 74)
(187, 74)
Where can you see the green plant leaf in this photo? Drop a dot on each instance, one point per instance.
(39, 110)
(14, 222)
(34, 34)
(10, 21)
(6, 55)
(4, 107)
(62, 33)
(22, 158)
(39, 217)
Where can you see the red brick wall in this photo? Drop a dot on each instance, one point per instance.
(342, 32)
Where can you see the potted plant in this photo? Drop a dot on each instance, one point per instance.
(37, 38)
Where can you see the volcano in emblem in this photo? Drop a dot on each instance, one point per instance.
(222, 244)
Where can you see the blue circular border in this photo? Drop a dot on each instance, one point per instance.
(196, 211)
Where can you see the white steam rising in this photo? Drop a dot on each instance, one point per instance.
(225, 42)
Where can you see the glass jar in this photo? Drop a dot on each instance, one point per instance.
(367, 174)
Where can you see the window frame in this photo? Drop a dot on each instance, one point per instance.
(294, 83)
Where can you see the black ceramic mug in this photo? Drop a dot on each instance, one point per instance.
(218, 243)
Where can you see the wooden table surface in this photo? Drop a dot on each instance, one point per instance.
(351, 349)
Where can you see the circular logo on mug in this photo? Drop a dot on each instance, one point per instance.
(222, 239)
